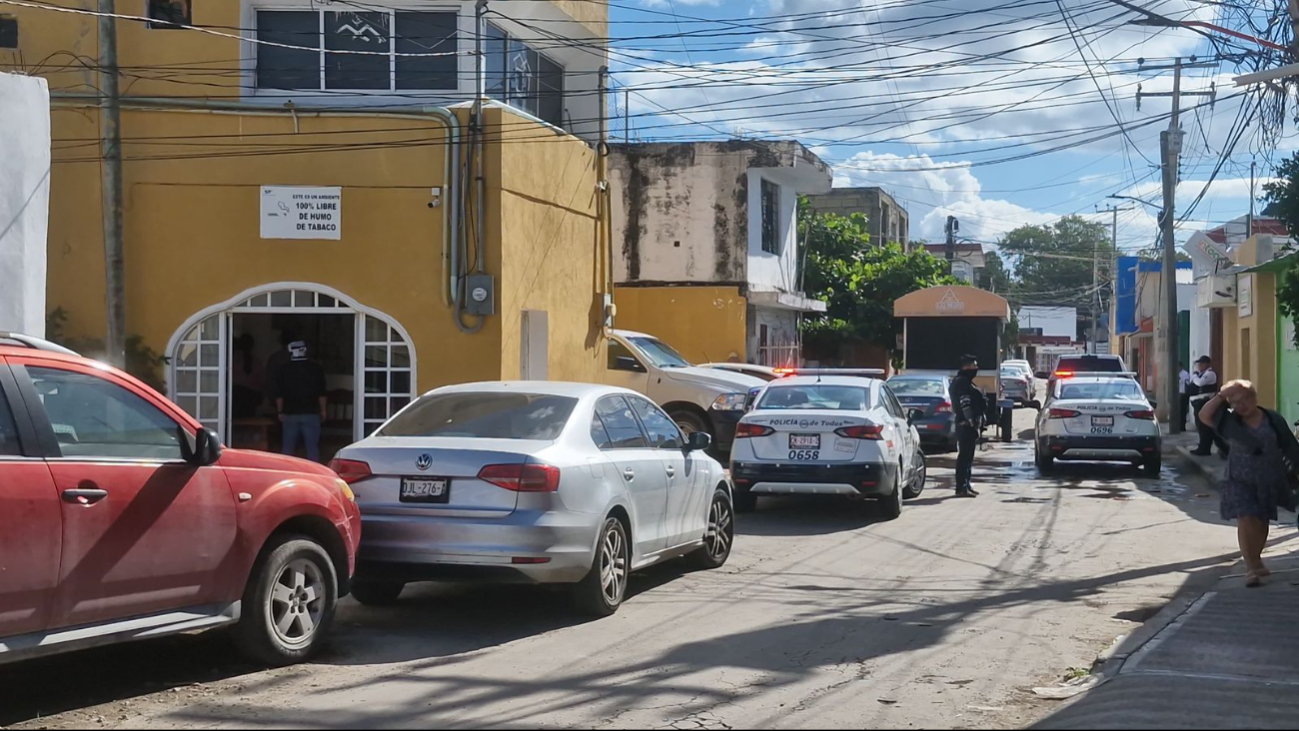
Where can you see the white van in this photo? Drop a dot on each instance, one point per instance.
(698, 399)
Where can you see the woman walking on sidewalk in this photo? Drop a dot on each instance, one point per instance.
(1258, 468)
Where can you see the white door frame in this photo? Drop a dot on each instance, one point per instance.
(293, 298)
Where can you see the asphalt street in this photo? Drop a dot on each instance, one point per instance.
(825, 617)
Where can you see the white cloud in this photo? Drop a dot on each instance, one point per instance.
(939, 191)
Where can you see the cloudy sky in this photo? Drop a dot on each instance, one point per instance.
(1000, 112)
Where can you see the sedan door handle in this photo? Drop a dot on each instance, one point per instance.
(84, 496)
(672, 471)
(629, 474)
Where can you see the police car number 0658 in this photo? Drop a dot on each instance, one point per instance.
(804, 454)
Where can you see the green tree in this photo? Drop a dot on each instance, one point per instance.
(994, 276)
(1282, 198)
(1282, 194)
(858, 281)
(1053, 264)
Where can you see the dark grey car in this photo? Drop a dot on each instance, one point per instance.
(928, 393)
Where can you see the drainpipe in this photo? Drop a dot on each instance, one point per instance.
(451, 172)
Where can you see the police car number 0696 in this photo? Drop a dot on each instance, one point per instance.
(804, 454)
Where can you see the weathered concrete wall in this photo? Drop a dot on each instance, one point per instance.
(884, 226)
(680, 213)
(24, 201)
(691, 213)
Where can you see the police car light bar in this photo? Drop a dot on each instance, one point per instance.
(868, 372)
(1095, 374)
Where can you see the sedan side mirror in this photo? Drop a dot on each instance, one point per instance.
(628, 363)
(699, 441)
(915, 415)
(1042, 374)
(204, 450)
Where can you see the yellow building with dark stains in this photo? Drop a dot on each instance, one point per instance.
(283, 179)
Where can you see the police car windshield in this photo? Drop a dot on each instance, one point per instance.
(918, 386)
(1122, 390)
(660, 353)
(815, 397)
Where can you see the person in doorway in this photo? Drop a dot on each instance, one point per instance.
(1205, 382)
(1183, 394)
(971, 406)
(1257, 480)
(247, 377)
(300, 399)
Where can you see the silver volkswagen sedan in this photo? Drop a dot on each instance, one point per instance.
(535, 482)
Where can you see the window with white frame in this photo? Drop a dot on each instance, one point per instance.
(383, 50)
(523, 77)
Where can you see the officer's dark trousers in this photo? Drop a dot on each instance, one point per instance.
(1208, 437)
(967, 440)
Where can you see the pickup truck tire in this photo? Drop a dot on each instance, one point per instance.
(689, 422)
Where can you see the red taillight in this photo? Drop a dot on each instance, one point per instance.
(745, 431)
(1063, 414)
(350, 470)
(530, 477)
(1145, 414)
(865, 431)
(525, 561)
(943, 408)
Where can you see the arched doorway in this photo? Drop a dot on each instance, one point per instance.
(383, 358)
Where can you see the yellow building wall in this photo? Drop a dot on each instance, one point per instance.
(543, 196)
(1262, 341)
(191, 187)
(704, 324)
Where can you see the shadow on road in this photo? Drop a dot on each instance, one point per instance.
(785, 653)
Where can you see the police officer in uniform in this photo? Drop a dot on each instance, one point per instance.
(971, 406)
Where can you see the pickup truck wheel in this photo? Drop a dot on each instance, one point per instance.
(289, 602)
(689, 422)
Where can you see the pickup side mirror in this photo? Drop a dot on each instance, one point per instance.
(915, 415)
(628, 363)
(699, 441)
(202, 449)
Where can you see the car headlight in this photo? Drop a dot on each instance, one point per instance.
(730, 402)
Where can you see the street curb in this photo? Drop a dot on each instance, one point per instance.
(1189, 460)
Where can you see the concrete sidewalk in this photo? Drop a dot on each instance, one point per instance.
(1220, 656)
(1227, 659)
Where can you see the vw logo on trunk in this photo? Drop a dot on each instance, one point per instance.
(424, 461)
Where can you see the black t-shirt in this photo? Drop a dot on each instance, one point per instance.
(301, 383)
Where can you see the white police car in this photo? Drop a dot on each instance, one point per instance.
(1099, 417)
(832, 431)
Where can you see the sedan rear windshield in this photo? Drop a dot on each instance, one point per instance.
(815, 396)
(483, 416)
(919, 387)
(1124, 390)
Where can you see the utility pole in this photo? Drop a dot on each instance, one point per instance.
(1249, 226)
(1166, 332)
(110, 144)
(953, 226)
(1114, 252)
